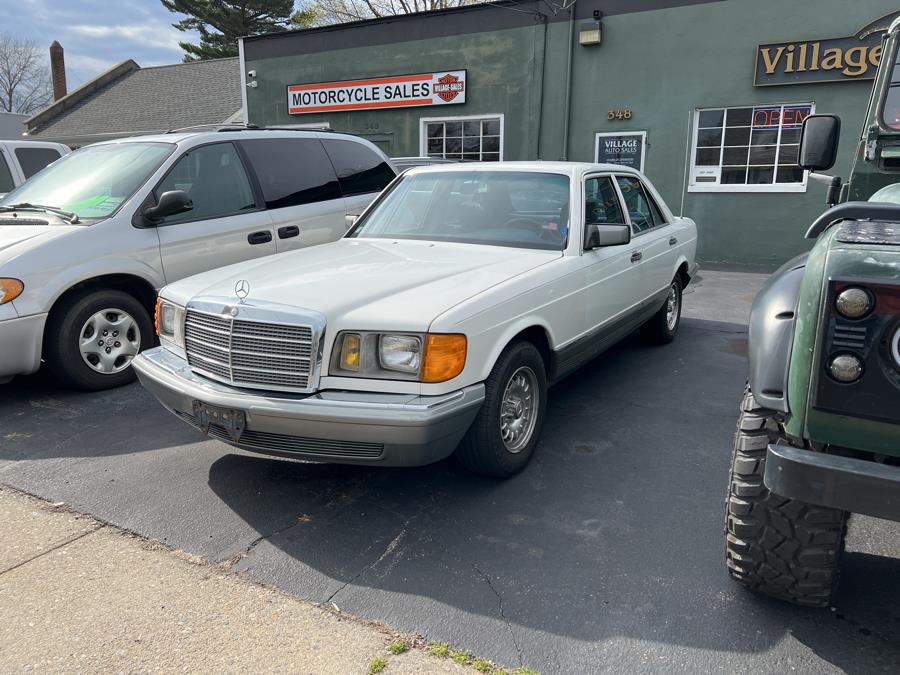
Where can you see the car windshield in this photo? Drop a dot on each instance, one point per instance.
(94, 181)
(523, 209)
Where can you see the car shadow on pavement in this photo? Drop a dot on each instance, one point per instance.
(614, 530)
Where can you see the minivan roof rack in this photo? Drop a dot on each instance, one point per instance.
(247, 127)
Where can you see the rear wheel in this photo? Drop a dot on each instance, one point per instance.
(663, 326)
(506, 431)
(92, 338)
(777, 546)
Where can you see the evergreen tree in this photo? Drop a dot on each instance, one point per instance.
(220, 23)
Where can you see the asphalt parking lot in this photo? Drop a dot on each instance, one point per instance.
(606, 554)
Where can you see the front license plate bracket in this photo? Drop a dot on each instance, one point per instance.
(233, 421)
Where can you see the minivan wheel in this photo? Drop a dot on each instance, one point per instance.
(91, 340)
(506, 431)
(663, 326)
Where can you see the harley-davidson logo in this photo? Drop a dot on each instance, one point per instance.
(448, 87)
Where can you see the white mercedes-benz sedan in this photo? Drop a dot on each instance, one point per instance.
(434, 326)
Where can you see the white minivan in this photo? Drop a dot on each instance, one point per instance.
(86, 243)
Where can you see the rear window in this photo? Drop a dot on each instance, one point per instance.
(360, 169)
(292, 171)
(33, 160)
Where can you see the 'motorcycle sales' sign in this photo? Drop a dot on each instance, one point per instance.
(398, 91)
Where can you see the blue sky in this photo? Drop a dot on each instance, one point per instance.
(97, 34)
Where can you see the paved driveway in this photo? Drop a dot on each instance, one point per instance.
(605, 554)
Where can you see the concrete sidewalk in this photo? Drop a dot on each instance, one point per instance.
(77, 595)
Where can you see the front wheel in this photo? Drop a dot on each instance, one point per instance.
(663, 326)
(92, 338)
(506, 431)
(777, 546)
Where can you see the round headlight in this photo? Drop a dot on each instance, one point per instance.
(845, 368)
(853, 303)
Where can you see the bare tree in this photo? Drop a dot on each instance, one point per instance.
(327, 12)
(24, 75)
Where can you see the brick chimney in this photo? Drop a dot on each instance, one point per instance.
(57, 70)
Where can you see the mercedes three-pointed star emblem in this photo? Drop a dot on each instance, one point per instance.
(242, 289)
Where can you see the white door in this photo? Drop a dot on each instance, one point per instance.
(651, 252)
(609, 275)
(300, 189)
(226, 224)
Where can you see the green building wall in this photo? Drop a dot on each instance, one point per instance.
(661, 64)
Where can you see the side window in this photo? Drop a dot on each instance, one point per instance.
(33, 160)
(658, 216)
(637, 203)
(601, 203)
(292, 171)
(214, 178)
(6, 179)
(359, 169)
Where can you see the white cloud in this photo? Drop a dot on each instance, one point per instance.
(154, 36)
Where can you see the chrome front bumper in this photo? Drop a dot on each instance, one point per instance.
(348, 427)
(20, 345)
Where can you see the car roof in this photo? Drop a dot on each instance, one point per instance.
(567, 168)
(193, 137)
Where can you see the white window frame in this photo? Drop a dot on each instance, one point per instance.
(773, 188)
(423, 135)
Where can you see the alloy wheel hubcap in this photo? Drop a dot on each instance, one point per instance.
(518, 409)
(672, 308)
(109, 340)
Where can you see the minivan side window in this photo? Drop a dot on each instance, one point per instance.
(638, 204)
(601, 203)
(215, 180)
(292, 171)
(359, 168)
(6, 179)
(33, 160)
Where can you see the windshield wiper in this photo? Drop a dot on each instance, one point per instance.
(25, 206)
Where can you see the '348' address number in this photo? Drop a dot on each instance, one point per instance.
(623, 114)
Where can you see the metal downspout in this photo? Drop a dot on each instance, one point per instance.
(565, 139)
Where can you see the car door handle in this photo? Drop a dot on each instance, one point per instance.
(288, 231)
(673, 241)
(262, 237)
(636, 256)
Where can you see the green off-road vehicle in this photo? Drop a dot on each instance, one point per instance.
(819, 430)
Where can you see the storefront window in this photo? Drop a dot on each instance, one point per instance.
(465, 138)
(748, 149)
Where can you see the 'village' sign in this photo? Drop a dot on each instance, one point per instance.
(397, 91)
(830, 60)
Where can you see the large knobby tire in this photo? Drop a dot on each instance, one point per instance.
(780, 547)
(662, 327)
(506, 431)
(76, 329)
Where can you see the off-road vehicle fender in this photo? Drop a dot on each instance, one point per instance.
(771, 334)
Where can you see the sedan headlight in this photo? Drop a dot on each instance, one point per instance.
(400, 352)
(170, 322)
(391, 356)
(10, 289)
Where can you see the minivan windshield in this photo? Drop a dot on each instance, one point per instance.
(524, 209)
(94, 181)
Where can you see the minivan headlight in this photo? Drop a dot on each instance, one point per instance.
(170, 322)
(10, 289)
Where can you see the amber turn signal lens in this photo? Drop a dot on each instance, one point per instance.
(156, 315)
(445, 357)
(10, 289)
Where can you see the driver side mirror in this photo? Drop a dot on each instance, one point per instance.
(170, 204)
(819, 142)
(606, 234)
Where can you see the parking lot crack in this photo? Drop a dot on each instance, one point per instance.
(512, 633)
(247, 550)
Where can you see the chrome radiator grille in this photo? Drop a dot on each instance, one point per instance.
(247, 353)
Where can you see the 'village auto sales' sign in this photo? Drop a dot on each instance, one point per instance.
(399, 91)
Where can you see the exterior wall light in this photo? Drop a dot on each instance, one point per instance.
(591, 32)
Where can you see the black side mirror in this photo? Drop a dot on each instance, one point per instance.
(170, 203)
(819, 142)
(606, 234)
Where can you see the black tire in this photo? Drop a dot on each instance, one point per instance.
(63, 334)
(657, 330)
(483, 449)
(780, 547)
